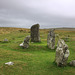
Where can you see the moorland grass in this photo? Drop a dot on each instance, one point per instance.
(38, 59)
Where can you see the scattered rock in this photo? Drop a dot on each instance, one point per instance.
(21, 44)
(62, 53)
(51, 39)
(35, 36)
(5, 40)
(72, 63)
(25, 44)
(9, 63)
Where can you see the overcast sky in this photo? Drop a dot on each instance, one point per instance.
(48, 13)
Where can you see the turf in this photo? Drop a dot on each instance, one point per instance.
(38, 59)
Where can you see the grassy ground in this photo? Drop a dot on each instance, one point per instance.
(37, 59)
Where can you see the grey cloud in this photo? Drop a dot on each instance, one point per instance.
(24, 13)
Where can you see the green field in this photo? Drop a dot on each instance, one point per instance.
(37, 59)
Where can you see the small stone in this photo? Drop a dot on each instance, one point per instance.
(5, 40)
(9, 63)
(72, 63)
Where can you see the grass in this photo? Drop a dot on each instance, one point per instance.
(37, 59)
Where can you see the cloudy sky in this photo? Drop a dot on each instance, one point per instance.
(48, 13)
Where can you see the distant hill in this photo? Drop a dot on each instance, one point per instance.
(63, 28)
(14, 28)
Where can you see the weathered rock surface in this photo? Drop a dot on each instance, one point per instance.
(25, 44)
(35, 35)
(62, 53)
(51, 39)
(72, 63)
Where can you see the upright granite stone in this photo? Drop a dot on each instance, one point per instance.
(35, 36)
(62, 53)
(25, 44)
(51, 39)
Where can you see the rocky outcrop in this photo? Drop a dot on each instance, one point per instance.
(5, 40)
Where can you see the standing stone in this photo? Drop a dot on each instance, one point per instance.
(51, 39)
(25, 44)
(35, 36)
(62, 53)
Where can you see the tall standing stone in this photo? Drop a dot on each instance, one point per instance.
(35, 36)
(51, 39)
(62, 53)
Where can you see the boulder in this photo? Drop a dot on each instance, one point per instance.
(51, 39)
(35, 35)
(62, 53)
